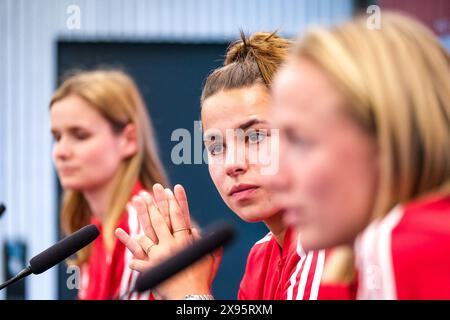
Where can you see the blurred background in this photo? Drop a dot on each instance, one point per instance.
(168, 46)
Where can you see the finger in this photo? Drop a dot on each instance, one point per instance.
(180, 229)
(146, 244)
(148, 198)
(130, 243)
(180, 195)
(140, 265)
(162, 231)
(162, 203)
(140, 205)
(149, 201)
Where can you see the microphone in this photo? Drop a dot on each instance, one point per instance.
(2, 209)
(57, 253)
(216, 236)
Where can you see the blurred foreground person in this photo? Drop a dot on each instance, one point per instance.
(365, 152)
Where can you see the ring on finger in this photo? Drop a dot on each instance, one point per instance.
(182, 229)
(149, 248)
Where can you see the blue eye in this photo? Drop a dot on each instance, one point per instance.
(215, 149)
(255, 137)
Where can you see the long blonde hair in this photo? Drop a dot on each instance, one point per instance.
(397, 84)
(116, 97)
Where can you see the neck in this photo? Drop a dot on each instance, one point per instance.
(99, 198)
(276, 226)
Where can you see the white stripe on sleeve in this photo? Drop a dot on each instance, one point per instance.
(317, 275)
(304, 276)
(293, 279)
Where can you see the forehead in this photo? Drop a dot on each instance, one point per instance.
(73, 111)
(228, 109)
(303, 88)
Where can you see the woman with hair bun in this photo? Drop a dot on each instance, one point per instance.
(235, 114)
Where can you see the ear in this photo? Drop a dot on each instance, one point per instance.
(129, 141)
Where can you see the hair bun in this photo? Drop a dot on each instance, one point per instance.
(258, 45)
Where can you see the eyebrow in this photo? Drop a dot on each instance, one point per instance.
(243, 126)
(250, 123)
(71, 129)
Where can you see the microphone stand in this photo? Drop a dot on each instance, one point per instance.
(22, 274)
(2, 209)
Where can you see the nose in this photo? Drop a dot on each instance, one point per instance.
(62, 149)
(236, 159)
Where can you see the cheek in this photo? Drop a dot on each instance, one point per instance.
(317, 176)
(340, 190)
(319, 187)
(217, 176)
(311, 172)
(100, 154)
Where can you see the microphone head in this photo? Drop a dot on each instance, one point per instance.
(215, 237)
(63, 249)
(2, 209)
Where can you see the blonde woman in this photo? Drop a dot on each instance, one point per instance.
(365, 143)
(104, 153)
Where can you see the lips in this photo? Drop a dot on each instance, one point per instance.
(242, 191)
(66, 170)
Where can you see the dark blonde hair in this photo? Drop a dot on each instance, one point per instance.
(397, 84)
(248, 61)
(116, 97)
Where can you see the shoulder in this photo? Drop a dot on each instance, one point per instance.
(253, 279)
(420, 225)
(260, 255)
(427, 217)
(405, 251)
(261, 246)
(420, 243)
(423, 227)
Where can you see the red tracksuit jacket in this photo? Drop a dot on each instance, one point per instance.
(406, 255)
(289, 273)
(106, 275)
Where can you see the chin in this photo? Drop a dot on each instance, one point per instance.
(309, 244)
(253, 214)
(69, 184)
(316, 242)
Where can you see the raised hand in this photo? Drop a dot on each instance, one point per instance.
(142, 203)
(166, 223)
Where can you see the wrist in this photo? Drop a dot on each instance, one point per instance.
(199, 297)
(182, 294)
